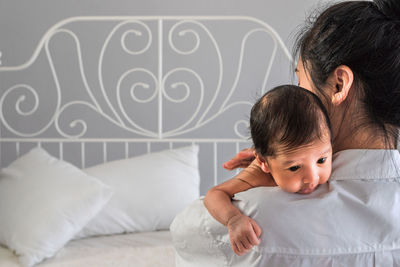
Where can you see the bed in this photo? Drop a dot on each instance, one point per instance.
(140, 249)
(115, 124)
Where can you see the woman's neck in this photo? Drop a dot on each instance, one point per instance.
(352, 127)
(359, 141)
(359, 137)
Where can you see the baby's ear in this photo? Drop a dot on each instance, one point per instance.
(262, 163)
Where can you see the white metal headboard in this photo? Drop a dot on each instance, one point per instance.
(123, 82)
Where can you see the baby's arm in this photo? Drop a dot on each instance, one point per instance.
(244, 232)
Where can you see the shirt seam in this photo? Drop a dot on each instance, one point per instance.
(347, 178)
(262, 251)
(278, 251)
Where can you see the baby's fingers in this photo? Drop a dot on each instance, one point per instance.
(242, 248)
(253, 240)
(246, 243)
(238, 248)
(256, 228)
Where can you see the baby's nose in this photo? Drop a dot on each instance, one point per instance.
(311, 178)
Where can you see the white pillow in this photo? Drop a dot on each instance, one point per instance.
(149, 191)
(44, 202)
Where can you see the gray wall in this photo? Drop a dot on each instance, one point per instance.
(23, 24)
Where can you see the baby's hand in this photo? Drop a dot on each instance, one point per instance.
(244, 233)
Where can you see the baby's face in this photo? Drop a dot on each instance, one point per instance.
(303, 169)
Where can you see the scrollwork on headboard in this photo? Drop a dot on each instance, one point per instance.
(133, 77)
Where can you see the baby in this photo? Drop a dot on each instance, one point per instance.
(291, 133)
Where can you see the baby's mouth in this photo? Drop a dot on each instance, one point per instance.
(306, 190)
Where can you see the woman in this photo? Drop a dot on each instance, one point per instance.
(350, 58)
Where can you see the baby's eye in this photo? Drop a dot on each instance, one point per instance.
(321, 160)
(294, 168)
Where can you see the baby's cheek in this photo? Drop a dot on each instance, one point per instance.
(292, 187)
(325, 177)
(324, 180)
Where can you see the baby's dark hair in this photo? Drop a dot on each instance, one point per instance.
(289, 116)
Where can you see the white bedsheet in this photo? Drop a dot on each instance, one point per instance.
(137, 249)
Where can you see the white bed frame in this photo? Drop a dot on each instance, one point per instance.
(21, 102)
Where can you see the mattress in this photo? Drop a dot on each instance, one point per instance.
(136, 249)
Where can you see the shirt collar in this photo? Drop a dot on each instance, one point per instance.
(366, 164)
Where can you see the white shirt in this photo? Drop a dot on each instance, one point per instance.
(354, 220)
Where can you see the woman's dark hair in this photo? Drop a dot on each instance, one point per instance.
(288, 116)
(365, 36)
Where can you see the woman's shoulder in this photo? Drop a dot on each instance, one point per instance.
(339, 215)
(362, 164)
